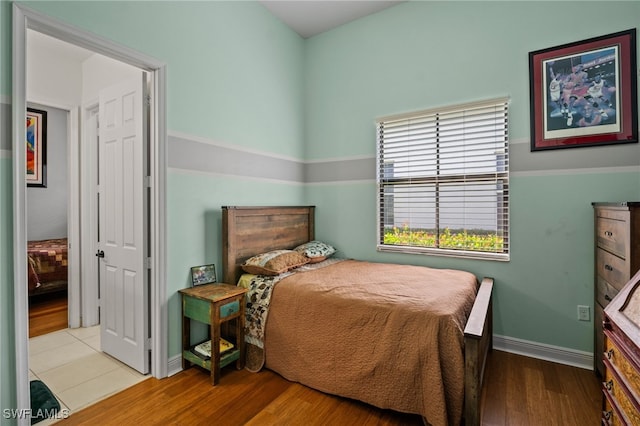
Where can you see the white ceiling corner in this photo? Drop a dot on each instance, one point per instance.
(313, 17)
(42, 43)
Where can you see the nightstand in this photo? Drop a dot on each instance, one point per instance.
(213, 304)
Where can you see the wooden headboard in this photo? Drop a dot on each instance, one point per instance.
(247, 231)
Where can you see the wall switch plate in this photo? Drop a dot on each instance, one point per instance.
(583, 313)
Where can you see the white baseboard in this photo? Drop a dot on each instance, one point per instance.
(174, 366)
(543, 351)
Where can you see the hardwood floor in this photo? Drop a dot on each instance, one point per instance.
(528, 391)
(48, 313)
(518, 391)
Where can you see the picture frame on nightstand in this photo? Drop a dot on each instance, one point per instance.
(203, 274)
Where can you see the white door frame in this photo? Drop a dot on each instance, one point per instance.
(89, 214)
(25, 18)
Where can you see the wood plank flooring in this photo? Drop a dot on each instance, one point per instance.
(518, 391)
(48, 313)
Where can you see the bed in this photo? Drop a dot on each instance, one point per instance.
(319, 330)
(47, 266)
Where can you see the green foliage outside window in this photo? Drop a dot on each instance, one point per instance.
(478, 240)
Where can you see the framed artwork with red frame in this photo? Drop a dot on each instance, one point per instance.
(584, 93)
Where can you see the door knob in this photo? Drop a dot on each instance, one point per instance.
(100, 253)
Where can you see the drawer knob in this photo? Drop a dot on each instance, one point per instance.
(608, 267)
(608, 385)
(608, 233)
(609, 354)
(607, 298)
(607, 415)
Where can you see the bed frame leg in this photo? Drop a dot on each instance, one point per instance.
(478, 342)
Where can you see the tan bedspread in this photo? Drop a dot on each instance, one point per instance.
(388, 335)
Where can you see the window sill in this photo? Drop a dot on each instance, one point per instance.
(500, 257)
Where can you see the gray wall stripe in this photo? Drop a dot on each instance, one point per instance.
(199, 156)
(204, 157)
(340, 170)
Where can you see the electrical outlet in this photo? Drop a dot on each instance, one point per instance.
(583, 313)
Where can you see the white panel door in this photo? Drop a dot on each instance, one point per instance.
(122, 196)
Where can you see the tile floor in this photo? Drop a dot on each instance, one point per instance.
(71, 364)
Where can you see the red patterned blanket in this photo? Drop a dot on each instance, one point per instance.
(47, 262)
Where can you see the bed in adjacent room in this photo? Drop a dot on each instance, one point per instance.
(48, 265)
(401, 337)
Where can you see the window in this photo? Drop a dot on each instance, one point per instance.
(443, 181)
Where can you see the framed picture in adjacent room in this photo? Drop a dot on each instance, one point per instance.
(36, 134)
(584, 93)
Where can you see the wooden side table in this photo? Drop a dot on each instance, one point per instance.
(213, 304)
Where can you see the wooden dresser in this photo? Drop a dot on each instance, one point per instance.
(617, 258)
(621, 385)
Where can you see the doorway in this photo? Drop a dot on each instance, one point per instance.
(47, 219)
(23, 19)
(65, 204)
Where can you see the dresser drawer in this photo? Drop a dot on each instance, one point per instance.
(229, 309)
(623, 368)
(613, 269)
(613, 234)
(604, 292)
(196, 309)
(610, 417)
(619, 396)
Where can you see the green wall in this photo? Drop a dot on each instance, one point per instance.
(234, 70)
(421, 55)
(425, 54)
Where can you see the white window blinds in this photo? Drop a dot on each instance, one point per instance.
(443, 181)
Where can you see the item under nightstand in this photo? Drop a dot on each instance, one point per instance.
(213, 304)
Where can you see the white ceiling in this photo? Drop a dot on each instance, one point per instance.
(52, 46)
(312, 17)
